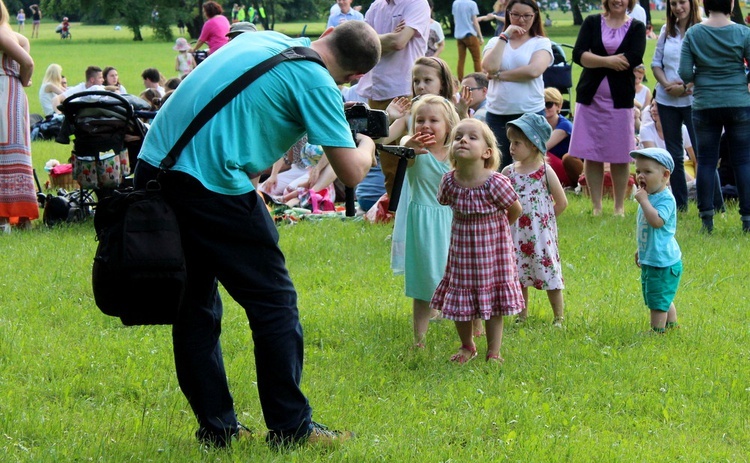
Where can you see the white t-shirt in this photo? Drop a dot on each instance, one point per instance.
(45, 98)
(638, 13)
(642, 95)
(506, 98)
(649, 133)
(78, 89)
(436, 36)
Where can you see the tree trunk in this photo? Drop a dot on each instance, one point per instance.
(575, 8)
(271, 16)
(195, 25)
(737, 13)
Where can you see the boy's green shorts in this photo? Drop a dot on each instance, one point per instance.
(659, 285)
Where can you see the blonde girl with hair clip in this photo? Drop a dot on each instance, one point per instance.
(481, 280)
(427, 222)
(543, 199)
(52, 85)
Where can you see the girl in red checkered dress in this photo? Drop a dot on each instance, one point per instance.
(480, 281)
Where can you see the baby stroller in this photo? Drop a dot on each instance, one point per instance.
(108, 135)
(199, 55)
(560, 76)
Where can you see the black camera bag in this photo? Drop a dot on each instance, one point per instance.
(139, 272)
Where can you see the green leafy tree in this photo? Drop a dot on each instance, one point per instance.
(135, 14)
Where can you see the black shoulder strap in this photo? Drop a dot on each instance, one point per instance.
(232, 90)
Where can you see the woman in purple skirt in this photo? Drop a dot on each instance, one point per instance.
(608, 47)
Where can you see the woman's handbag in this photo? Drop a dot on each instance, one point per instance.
(139, 272)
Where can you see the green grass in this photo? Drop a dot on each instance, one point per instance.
(78, 386)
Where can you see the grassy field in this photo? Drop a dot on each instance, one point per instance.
(78, 386)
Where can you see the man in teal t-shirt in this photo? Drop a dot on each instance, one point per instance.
(227, 234)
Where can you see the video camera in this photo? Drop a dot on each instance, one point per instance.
(371, 122)
(374, 124)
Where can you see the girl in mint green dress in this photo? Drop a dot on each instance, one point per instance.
(428, 224)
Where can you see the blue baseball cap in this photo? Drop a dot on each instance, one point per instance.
(659, 155)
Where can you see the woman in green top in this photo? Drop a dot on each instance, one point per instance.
(712, 59)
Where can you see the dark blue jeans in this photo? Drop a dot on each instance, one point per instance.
(672, 118)
(233, 240)
(709, 124)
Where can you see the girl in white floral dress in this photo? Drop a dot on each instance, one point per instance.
(543, 199)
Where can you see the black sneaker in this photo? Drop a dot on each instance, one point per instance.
(321, 435)
(221, 441)
(243, 433)
(317, 434)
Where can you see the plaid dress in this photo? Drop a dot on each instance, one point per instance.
(481, 280)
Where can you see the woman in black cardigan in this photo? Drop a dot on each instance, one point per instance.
(608, 47)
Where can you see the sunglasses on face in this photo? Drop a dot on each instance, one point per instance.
(549, 104)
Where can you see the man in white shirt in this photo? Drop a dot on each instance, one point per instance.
(403, 27)
(151, 78)
(345, 13)
(94, 81)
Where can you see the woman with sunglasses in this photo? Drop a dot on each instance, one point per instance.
(514, 61)
(609, 47)
(568, 168)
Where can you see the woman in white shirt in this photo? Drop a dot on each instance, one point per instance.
(515, 61)
(674, 98)
(52, 85)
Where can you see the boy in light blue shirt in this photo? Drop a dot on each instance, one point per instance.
(658, 254)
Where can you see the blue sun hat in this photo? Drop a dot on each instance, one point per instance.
(536, 128)
(659, 155)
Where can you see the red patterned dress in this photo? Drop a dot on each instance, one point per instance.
(535, 232)
(480, 278)
(17, 192)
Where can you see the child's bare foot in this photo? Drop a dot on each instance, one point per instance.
(596, 212)
(464, 354)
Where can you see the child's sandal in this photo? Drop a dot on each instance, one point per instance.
(461, 358)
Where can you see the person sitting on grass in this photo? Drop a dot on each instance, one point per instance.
(658, 254)
(152, 79)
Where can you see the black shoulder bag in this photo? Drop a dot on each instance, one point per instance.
(139, 270)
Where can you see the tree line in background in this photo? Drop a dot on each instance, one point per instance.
(137, 14)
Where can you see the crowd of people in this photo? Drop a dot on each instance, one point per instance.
(476, 222)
